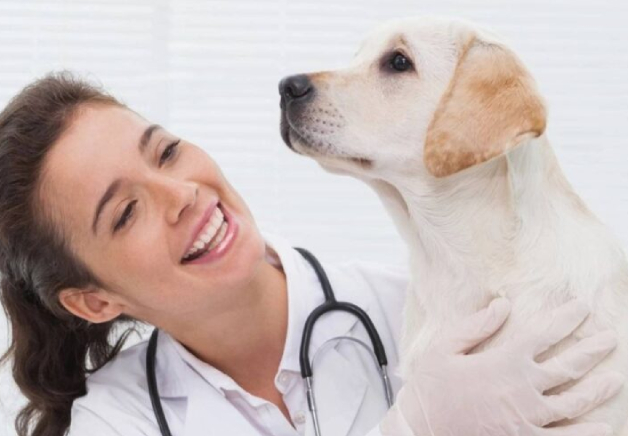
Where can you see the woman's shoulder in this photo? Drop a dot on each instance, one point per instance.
(383, 278)
(117, 395)
(126, 369)
(379, 288)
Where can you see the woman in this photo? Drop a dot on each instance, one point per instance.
(100, 218)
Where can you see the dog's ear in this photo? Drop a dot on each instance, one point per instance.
(491, 105)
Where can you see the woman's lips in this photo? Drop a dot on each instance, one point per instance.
(199, 226)
(226, 243)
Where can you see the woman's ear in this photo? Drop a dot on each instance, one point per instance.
(93, 305)
(491, 106)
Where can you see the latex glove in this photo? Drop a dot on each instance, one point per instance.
(499, 391)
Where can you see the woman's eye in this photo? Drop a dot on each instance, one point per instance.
(169, 152)
(400, 63)
(128, 213)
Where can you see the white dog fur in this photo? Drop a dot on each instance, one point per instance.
(457, 151)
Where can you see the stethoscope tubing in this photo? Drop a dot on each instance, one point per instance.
(153, 392)
(330, 305)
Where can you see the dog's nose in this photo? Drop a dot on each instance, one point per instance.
(295, 87)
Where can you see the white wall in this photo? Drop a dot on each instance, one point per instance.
(208, 70)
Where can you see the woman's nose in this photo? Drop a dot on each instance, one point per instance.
(175, 195)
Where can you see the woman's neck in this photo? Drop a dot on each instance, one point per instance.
(246, 343)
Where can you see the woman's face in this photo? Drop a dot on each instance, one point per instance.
(136, 245)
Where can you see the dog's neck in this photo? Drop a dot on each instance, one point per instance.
(508, 226)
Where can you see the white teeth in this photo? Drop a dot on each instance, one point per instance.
(215, 224)
(210, 230)
(219, 237)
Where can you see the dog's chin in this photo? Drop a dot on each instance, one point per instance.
(331, 161)
(344, 165)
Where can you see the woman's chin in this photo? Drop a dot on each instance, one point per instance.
(242, 255)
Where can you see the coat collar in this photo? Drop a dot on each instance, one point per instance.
(305, 294)
(176, 378)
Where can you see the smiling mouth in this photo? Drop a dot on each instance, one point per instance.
(210, 236)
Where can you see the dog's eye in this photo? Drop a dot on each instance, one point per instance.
(399, 62)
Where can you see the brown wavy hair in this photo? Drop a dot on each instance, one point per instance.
(52, 351)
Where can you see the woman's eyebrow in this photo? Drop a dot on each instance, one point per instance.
(145, 138)
(111, 190)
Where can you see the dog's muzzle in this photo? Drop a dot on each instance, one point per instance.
(295, 92)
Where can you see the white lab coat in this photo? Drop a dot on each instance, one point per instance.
(347, 389)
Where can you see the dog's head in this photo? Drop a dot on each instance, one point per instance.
(426, 95)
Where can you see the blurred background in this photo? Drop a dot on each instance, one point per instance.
(208, 71)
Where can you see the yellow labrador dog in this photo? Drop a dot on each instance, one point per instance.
(446, 124)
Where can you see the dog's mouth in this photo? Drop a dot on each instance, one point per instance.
(290, 132)
(285, 128)
(305, 147)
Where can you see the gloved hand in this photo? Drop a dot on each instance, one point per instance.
(499, 391)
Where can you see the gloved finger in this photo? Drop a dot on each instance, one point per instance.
(551, 328)
(476, 328)
(410, 413)
(582, 397)
(583, 429)
(395, 424)
(576, 361)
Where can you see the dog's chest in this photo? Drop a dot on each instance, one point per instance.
(440, 311)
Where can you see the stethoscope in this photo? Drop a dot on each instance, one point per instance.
(331, 304)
